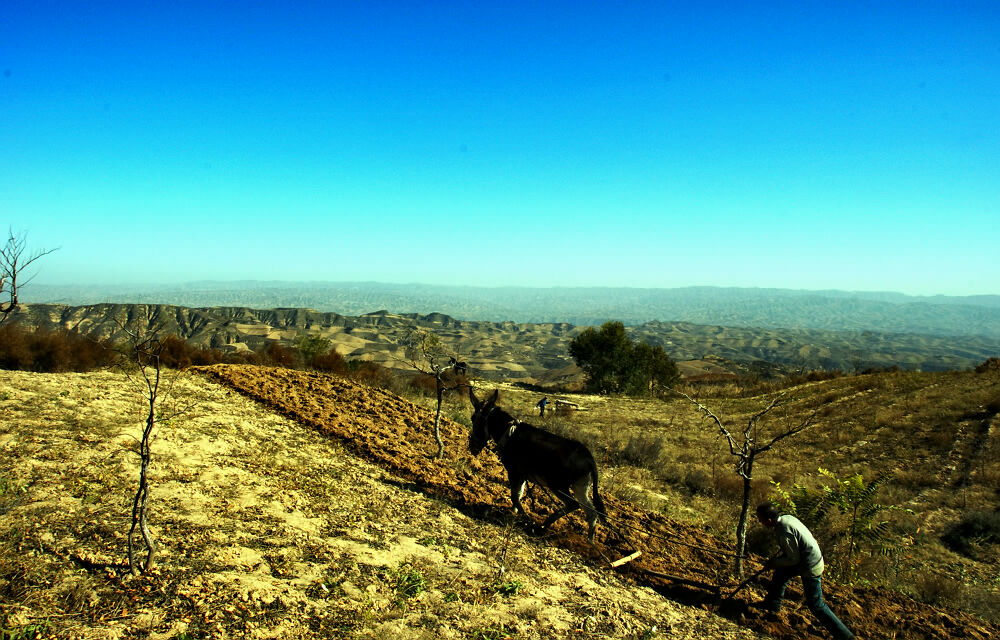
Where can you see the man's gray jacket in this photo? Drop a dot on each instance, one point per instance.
(798, 547)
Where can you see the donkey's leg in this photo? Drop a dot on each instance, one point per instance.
(581, 489)
(517, 486)
(569, 505)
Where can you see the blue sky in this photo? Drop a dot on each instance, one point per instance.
(798, 145)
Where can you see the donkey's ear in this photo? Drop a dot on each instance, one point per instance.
(493, 398)
(472, 398)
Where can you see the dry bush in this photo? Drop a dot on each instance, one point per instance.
(888, 416)
(424, 384)
(14, 350)
(992, 406)
(975, 530)
(869, 382)
(277, 355)
(178, 354)
(730, 485)
(330, 362)
(982, 601)
(699, 481)
(643, 451)
(47, 351)
(988, 365)
(375, 375)
(932, 587)
(938, 439)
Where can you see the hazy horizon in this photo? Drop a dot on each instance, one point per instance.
(419, 288)
(790, 146)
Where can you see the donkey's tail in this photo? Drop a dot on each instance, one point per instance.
(598, 503)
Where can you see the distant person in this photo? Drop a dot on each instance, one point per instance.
(800, 556)
(541, 406)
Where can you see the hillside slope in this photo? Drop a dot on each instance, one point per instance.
(382, 427)
(271, 528)
(268, 529)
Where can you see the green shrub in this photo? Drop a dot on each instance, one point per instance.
(408, 582)
(508, 587)
(34, 631)
(492, 632)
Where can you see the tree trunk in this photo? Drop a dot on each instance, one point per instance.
(437, 418)
(741, 527)
(139, 503)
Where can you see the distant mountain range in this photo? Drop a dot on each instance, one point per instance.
(529, 352)
(883, 312)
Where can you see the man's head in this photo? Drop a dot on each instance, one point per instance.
(767, 514)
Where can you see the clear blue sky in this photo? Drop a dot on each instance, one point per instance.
(800, 145)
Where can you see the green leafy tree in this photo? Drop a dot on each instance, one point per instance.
(865, 526)
(613, 363)
(861, 525)
(808, 505)
(311, 346)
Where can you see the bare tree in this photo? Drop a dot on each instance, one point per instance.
(13, 261)
(746, 446)
(426, 354)
(142, 351)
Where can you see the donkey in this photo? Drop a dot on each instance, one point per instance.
(529, 453)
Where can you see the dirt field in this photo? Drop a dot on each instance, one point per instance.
(268, 529)
(346, 528)
(391, 432)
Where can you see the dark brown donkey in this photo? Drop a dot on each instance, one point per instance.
(528, 453)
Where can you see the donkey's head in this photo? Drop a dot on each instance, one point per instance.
(481, 410)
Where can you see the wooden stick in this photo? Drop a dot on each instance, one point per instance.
(629, 558)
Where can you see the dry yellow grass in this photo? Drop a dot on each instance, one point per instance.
(266, 529)
(936, 433)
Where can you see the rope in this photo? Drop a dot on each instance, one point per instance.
(607, 519)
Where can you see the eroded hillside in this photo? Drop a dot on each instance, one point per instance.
(269, 529)
(528, 352)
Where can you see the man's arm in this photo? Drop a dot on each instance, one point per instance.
(790, 555)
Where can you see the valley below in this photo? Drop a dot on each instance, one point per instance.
(532, 353)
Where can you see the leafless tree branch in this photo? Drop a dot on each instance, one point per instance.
(13, 262)
(746, 448)
(426, 354)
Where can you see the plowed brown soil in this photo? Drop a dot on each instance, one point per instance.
(396, 434)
